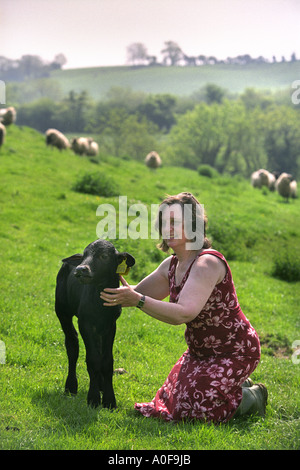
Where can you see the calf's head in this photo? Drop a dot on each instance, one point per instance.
(99, 262)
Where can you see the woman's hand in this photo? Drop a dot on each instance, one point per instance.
(125, 296)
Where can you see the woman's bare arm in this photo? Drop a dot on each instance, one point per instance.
(206, 272)
(156, 285)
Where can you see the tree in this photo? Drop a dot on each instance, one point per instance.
(190, 60)
(31, 66)
(172, 53)
(40, 114)
(202, 59)
(59, 61)
(160, 110)
(214, 93)
(282, 139)
(126, 134)
(137, 53)
(225, 136)
(72, 111)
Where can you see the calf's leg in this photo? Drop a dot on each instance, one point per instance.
(93, 358)
(109, 400)
(72, 347)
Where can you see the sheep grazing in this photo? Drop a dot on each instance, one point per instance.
(153, 160)
(2, 134)
(260, 178)
(286, 186)
(79, 145)
(8, 116)
(84, 146)
(293, 189)
(93, 148)
(56, 139)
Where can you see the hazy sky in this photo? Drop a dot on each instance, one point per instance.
(97, 32)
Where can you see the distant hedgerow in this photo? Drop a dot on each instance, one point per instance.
(207, 170)
(96, 183)
(286, 266)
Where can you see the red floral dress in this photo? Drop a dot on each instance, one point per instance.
(223, 350)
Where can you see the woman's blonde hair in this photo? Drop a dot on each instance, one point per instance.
(183, 199)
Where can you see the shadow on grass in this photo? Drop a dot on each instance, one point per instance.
(70, 411)
(71, 415)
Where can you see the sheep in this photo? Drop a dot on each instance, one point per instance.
(153, 160)
(272, 181)
(260, 178)
(286, 186)
(84, 146)
(293, 189)
(8, 116)
(56, 139)
(80, 145)
(2, 134)
(93, 148)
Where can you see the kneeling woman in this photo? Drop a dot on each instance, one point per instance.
(210, 380)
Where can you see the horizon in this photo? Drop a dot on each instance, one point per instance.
(107, 27)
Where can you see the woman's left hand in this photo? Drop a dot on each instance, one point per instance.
(125, 295)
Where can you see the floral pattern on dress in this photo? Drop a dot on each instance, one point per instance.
(223, 350)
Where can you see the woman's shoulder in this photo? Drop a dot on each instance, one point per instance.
(213, 260)
(210, 256)
(166, 264)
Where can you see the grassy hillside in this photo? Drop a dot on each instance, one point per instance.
(44, 220)
(178, 80)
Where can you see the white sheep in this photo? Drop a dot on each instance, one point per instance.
(272, 181)
(84, 146)
(80, 145)
(56, 139)
(283, 185)
(293, 189)
(2, 134)
(260, 178)
(8, 115)
(153, 160)
(93, 149)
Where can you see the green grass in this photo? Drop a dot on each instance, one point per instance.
(180, 81)
(44, 220)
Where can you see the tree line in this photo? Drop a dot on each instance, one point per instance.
(234, 134)
(172, 54)
(29, 67)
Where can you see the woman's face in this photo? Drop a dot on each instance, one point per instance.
(172, 226)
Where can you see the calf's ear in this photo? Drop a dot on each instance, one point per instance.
(74, 260)
(125, 261)
(127, 257)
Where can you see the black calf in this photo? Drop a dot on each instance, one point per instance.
(79, 283)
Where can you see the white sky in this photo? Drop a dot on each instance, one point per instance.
(97, 32)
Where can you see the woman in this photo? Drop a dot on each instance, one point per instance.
(210, 379)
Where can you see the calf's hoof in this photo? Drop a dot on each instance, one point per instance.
(71, 386)
(110, 406)
(94, 400)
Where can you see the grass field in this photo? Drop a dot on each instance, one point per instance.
(180, 81)
(44, 220)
